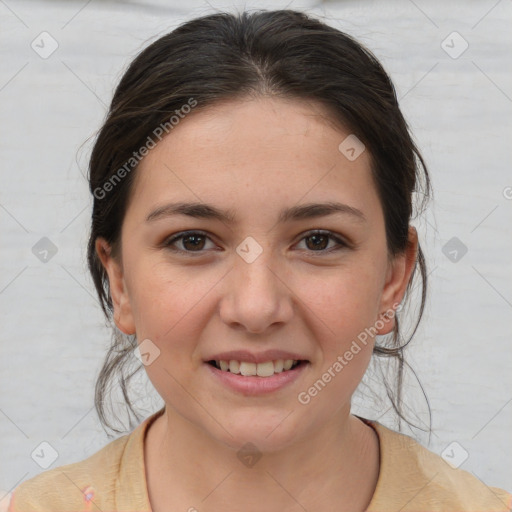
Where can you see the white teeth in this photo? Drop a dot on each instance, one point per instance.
(247, 368)
(266, 369)
(278, 366)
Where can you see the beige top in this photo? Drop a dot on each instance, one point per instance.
(411, 479)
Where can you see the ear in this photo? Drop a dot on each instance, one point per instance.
(123, 316)
(397, 278)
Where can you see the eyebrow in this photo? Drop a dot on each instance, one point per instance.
(295, 213)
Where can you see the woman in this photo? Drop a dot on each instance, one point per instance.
(251, 237)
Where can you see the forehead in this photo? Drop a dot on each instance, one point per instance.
(258, 152)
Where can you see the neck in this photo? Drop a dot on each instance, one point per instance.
(336, 468)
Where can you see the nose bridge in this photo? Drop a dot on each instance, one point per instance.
(256, 298)
(258, 275)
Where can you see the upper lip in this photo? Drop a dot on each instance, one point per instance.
(251, 357)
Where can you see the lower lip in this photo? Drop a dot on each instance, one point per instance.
(254, 385)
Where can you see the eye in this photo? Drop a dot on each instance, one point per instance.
(196, 242)
(190, 241)
(318, 241)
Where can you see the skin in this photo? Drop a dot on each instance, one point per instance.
(255, 157)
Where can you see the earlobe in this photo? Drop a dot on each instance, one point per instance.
(399, 275)
(123, 317)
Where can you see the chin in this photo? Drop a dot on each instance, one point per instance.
(267, 433)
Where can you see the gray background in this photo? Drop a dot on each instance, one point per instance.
(52, 333)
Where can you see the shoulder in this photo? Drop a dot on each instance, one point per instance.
(412, 478)
(74, 486)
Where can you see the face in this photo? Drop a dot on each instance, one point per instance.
(258, 277)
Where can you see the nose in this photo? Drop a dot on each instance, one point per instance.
(256, 296)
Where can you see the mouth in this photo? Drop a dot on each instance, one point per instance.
(256, 373)
(264, 369)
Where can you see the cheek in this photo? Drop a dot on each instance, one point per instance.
(168, 304)
(346, 301)
(343, 308)
(169, 308)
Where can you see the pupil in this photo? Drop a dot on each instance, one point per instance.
(316, 243)
(196, 243)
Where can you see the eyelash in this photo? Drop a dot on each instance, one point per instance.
(341, 244)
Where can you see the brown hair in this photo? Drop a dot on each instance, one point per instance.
(222, 56)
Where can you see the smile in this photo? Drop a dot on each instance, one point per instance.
(252, 379)
(264, 369)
